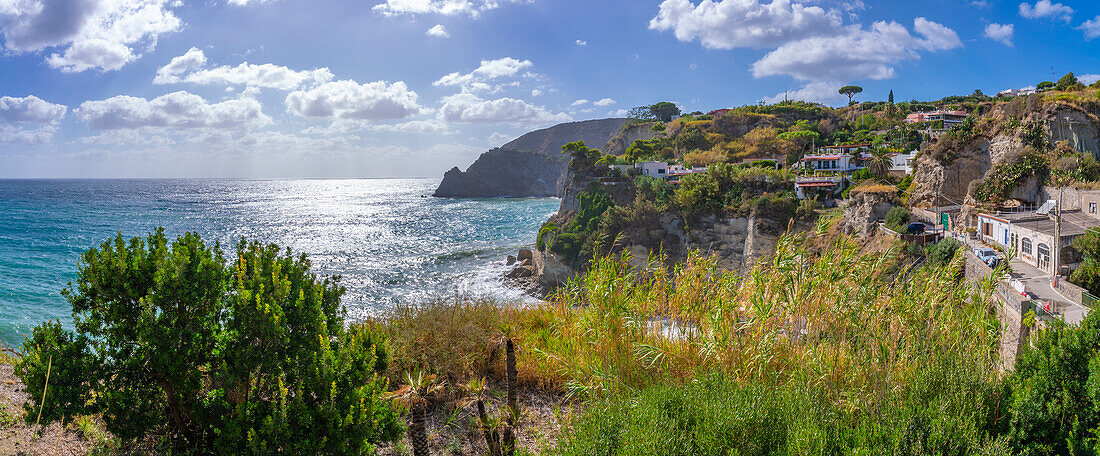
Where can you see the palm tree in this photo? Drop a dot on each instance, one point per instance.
(880, 162)
(414, 394)
(476, 388)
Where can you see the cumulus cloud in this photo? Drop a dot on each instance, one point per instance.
(177, 110)
(580, 102)
(245, 2)
(350, 101)
(1091, 28)
(582, 43)
(856, 53)
(536, 92)
(604, 102)
(1045, 9)
(816, 92)
(190, 60)
(439, 31)
(980, 4)
(1000, 32)
(498, 139)
(87, 34)
(188, 68)
(469, 108)
(729, 24)
(1088, 79)
(472, 8)
(489, 70)
(28, 120)
(30, 110)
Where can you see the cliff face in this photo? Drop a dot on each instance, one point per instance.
(945, 172)
(531, 165)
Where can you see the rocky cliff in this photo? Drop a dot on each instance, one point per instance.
(531, 165)
(949, 169)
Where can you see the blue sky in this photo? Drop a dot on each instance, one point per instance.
(388, 88)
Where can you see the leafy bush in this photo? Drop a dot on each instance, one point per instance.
(1055, 401)
(248, 357)
(905, 183)
(897, 218)
(1087, 275)
(1000, 183)
(943, 252)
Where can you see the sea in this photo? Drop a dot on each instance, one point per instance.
(391, 242)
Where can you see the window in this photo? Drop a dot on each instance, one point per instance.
(1092, 208)
(661, 171)
(1025, 246)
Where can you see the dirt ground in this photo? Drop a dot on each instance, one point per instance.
(18, 438)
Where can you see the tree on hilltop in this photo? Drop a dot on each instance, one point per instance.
(850, 91)
(664, 111)
(1068, 82)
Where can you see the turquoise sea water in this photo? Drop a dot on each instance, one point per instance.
(388, 242)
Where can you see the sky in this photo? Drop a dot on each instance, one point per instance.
(411, 88)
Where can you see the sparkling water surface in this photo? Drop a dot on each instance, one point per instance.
(390, 243)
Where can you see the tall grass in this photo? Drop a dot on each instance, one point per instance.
(812, 352)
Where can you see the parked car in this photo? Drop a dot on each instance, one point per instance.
(915, 228)
(988, 256)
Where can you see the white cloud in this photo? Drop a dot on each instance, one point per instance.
(87, 34)
(489, 70)
(1091, 28)
(582, 43)
(1044, 8)
(619, 113)
(129, 137)
(193, 59)
(536, 92)
(856, 53)
(28, 120)
(980, 4)
(10, 134)
(1000, 32)
(469, 108)
(351, 101)
(177, 110)
(498, 139)
(30, 109)
(580, 102)
(245, 2)
(728, 24)
(439, 31)
(604, 102)
(1088, 79)
(473, 8)
(266, 75)
(816, 92)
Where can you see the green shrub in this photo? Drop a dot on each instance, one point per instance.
(547, 231)
(897, 218)
(1055, 401)
(248, 357)
(1006, 177)
(943, 252)
(905, 183)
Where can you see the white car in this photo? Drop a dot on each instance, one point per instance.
(987, 255)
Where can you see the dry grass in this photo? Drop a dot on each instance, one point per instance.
(873, 187)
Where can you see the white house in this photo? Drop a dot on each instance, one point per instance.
(653, 169)
(1032, 235)
(903, 163)
(994, 229)
(826, 162)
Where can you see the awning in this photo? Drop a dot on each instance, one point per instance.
(823, 157)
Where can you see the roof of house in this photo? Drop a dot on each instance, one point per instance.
(1074, 223)
(823, 157)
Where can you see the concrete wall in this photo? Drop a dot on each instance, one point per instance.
(1073, 198)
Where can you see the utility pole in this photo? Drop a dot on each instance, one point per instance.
(1057, 235)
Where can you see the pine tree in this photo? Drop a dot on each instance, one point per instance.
(891, 96)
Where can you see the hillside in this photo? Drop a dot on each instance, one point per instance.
(531, 165)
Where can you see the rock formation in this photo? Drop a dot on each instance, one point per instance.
(531, 165)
